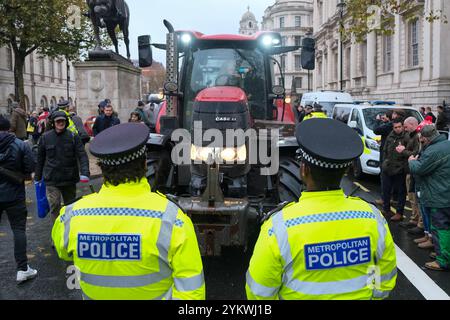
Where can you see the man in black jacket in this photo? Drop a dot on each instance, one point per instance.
(17, 159)
(394, 170)
(105, 121)
(59, 153)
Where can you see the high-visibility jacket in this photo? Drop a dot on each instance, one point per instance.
(313, 115)
(326, 246)
(72, 127)
(129, 243)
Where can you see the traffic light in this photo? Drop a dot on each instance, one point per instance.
(308, 55)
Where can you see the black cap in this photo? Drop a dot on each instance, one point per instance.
(5, 125)
(328, 143)
(141, 104)
(64, 104)
(120, 144)
(56, 115)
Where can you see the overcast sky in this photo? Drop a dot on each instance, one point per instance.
(206, 16)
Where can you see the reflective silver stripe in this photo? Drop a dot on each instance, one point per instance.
(189, 284)
(259, 289)
(122, 281)
(165, 237)
(85, 297)
(381, 245)
(389, 276)
(68, 217)
(380, 294)
(166, 295)
(281, 233)
(333, 287)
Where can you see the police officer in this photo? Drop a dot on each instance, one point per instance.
(328, 245)
(64, 107)
(127, 242)
(314, 112)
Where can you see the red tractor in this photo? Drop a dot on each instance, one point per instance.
(223, 82)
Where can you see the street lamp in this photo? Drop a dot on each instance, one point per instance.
(341, 5)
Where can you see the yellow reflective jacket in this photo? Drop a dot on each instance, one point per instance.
(313, 115)
(129, 243)
(326, 246)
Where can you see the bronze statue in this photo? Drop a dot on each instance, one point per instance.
(108, 14)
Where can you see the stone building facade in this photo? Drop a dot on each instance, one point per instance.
(293, 20)
(411, 67)
(45, 80)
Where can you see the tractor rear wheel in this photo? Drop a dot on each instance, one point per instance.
(290, 184)
(158, 167)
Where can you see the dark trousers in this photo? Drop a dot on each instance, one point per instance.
(54, 194)
(396, 182)
(17, 216)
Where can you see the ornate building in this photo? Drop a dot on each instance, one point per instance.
(248, 24)
(45, 80)
(412, 66)
(293, 20)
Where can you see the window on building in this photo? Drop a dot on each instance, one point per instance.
(60, 72)
(363, 58)
(298, 82)
(348, 66)
(336, 64)
(42, 68)
(283, 62)
(298, 62)
(298, 21)
(250, 25)
(298, 40)
(282, 22)
(284, 41)
(9, 58)
(387, 53)
(51, 67)
(414, 43)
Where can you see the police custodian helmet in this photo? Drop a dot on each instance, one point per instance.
(120, 144)
(328, 144)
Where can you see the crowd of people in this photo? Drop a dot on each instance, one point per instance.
(415, 163)
(47, 145)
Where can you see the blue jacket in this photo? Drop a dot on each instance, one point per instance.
(15, 155)
(432, 174)
(103, 122)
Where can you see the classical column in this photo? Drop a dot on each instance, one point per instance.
(371, 60)
(353, 62)
(396, 50)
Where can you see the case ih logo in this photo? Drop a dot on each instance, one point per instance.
(225, 119)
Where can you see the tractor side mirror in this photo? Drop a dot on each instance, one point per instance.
(145, 52)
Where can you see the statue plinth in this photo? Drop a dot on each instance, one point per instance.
(106, 55)
(107, 75)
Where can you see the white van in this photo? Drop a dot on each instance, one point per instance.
(362, 117)
(327, 99)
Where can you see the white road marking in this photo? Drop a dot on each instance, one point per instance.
(361, 186)
(418, 278)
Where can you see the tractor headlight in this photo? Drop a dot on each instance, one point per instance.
(218, 154)
(186, 38)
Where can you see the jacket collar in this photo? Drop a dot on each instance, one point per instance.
(316, 195)
(129, 189)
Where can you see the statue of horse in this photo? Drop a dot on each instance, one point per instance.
(108, 14)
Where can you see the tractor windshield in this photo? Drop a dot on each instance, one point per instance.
(241, 68)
